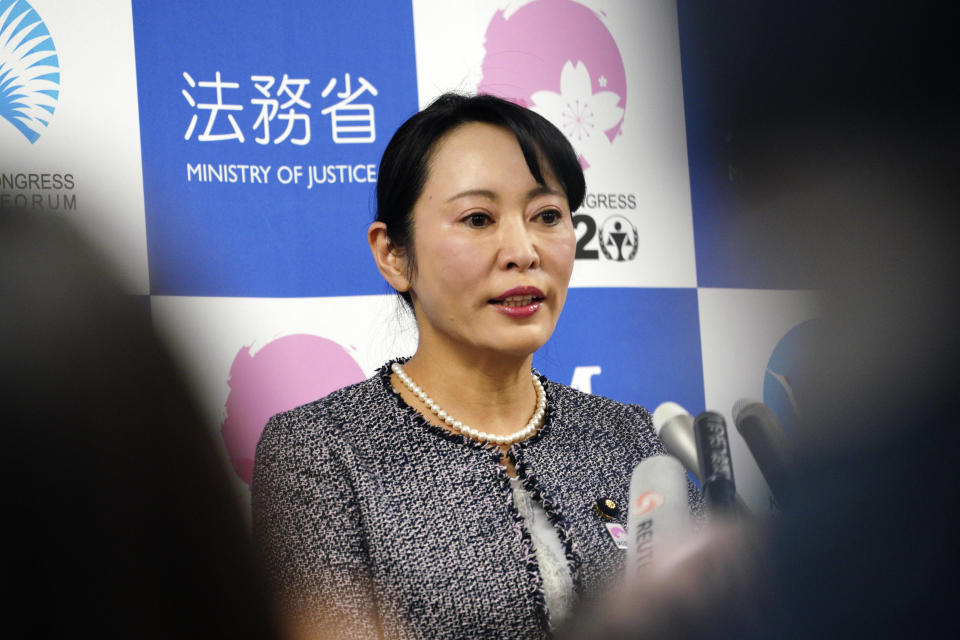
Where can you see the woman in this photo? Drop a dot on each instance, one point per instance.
(454, 494)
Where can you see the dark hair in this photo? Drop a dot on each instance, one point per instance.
(403, 167)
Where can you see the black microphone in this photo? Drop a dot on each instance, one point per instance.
(763, 434)
(716, 464)
(674, 425)
(658, 516)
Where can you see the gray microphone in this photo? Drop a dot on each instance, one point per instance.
(658, 515)
(674, 425)
(767, 442)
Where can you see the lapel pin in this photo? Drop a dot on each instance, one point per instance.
(618, 533)
(606, 508)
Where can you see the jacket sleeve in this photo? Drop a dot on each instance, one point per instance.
(307, 525)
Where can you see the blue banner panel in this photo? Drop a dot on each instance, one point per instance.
(633, 345)
(261, 127)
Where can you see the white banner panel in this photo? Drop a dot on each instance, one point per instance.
(607, 73)
(753, 343)
(250, 358)
(70, 138)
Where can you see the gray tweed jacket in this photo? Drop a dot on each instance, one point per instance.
(375, 523)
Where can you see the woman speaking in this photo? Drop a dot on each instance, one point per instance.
(458, 493)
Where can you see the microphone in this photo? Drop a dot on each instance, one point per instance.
(767, 442)
(674, 425)
(716, 464)
(658, 514)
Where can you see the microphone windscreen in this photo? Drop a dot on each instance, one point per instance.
(665, 412)
(658, 516)
(674, 425)
(765, 438)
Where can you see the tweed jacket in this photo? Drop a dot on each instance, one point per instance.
(373, 522)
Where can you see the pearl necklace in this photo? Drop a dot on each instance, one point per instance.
(466, 430)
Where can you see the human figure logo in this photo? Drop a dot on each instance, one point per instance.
(29, 69)
(618, 239)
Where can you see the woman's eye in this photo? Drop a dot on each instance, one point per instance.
(550, 216)
(477, 220)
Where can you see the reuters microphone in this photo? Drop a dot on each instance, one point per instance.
(658, 516)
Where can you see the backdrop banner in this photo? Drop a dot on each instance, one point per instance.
(224, 157)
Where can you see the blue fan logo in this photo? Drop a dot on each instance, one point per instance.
(29, 69)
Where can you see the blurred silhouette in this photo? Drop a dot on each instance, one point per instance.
(121, 522)
(825, 137)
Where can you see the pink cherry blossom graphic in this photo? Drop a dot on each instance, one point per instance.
(284, 374)
(558, 58)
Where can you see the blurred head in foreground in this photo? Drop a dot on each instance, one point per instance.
(120, 518)
(843, 176)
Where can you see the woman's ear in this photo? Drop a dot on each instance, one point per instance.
(391, 260)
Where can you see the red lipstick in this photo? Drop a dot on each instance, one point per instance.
(518, 302)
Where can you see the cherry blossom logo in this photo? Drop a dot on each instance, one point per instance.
(284, 374)
(558, 58)
(618, 533)
(646, 502)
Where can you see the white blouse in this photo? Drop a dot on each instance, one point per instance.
(554, 570)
